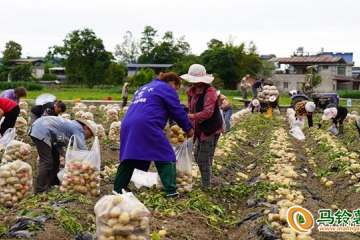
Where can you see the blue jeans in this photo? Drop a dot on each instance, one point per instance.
(227, 117)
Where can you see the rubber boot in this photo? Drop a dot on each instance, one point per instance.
(341, 130)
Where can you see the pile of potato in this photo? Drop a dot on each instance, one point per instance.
(81, 177)
(21, 126)
(236, 117)
(92, 109)
(79, 114)
(112, 115)
(15, 182)
(177, 135)
(110, 171)
(122, 217)
(23, 105)
(23, 113)
(88, 116)
(114, 132)
(75, 109)
(267, 92)
(16, 150)
(184, 181)
(66, 116)
(101, 132)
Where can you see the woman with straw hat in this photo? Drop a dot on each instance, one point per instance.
(204, 112)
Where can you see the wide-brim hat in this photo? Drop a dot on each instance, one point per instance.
(90, 124)
(255, 102)
(329, 113)
(272, 99)
(197, 74)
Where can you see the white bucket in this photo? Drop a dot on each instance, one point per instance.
(333, 130)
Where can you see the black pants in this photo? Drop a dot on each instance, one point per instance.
(124, 102)
(10, 119)
(49, 166)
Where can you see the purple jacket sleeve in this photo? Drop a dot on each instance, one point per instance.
(175, 109)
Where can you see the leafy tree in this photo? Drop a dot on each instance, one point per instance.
(84, 57)
(115, 74)
(147, 44)
(143, 77)
(22, 72)
(12, 51)
(128, 50)
(49, 76)
(181, 66)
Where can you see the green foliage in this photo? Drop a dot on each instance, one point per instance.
(143, 77)
(115, 74)
(3, 229)
(355, 94)
(47, 66)
(22, 72)
(48, 76)
(218, 82)
(182, 65)
(28, 85)
(84, 57)
(128, 50)
(147, 44)
(12, 51)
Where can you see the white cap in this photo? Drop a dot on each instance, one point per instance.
(310, 106)
(329, 113)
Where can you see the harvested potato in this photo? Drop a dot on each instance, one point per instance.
(21, 126)
(122, 217)
(16, 150)
(176, 135)
(114, 132)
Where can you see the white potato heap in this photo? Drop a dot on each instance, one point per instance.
(75, 109)
(121, 217)
(114, 132)
(267, 92)
(88, 116)
(21, 126)
(23, 113)
(66, 116)
(177, 135)
(16, 150)
(101, 132)
(81, 176)
(16, 182)
(82, 106)
(236, 117)
(79, 114)
(112, 115)
(23, 105)
(92, 109)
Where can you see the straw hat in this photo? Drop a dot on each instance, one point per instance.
(255, 102)
(272, 99)
(329, 113)
(90, 124)
(197, 74)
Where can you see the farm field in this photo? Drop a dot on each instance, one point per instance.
(249, 178)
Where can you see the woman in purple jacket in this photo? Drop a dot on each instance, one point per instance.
(142, 137)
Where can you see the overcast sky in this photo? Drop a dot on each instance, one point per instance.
(276, 26)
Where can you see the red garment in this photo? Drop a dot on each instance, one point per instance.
(7, 104)
(207, 112)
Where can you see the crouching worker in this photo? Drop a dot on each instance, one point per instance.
(254, 105)
(305, 109)
(10, 110)
(142, 139)
(338, 115)
(48, 109)
(50, 135)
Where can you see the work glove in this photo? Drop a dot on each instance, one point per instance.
(319, 125)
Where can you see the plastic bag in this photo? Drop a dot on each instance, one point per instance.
(16, 150)
(297, 133)
(21, 126)
(112, 115)
(9, 135)
(82, 169)
(183, 166)
(290, 112)
(121, 217)
(114, 132)
(144, 179)
(16, 182)
(299, 123)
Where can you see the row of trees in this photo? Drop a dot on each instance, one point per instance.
(87, 62)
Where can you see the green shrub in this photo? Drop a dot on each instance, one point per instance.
(49, 76)
(355, 94)
(30, 86)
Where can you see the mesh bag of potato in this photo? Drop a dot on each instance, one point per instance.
(23, 105)
(66, 116)
(101, 132)
(114, 132)
(112, 115)
(79, 114)
(121, 217)
(16, 182)
(82, 106)
(23, 113)
(88, 116)
(92, 109)
(82, 169)
(183, 167)
(21, 126)
(176, 135)
(16, 150)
